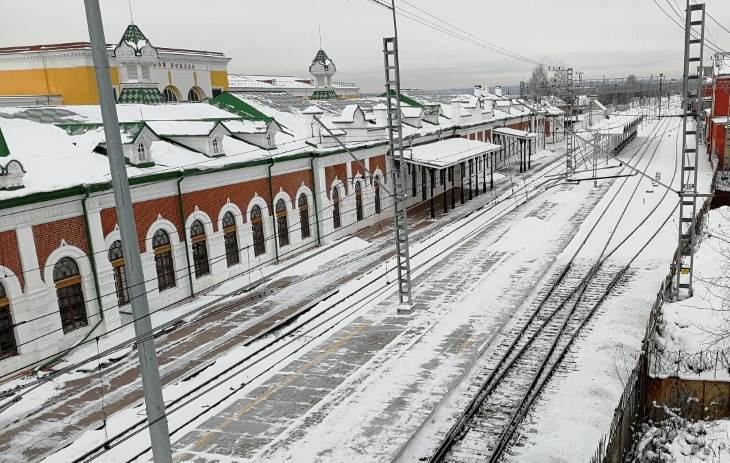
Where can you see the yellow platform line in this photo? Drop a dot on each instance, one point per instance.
(464, 346)
(283, 382)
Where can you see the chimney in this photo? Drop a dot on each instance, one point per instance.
(456, 110)
(313, 126)
(381, 115)
(477, 90)
(498, 91)
(489, 108)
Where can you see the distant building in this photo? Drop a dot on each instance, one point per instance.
(64, 73)
(320, 88)
(716, 96)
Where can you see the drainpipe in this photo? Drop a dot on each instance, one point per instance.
(314, 196)
(92, 256)
(184, 232)
(272, 213)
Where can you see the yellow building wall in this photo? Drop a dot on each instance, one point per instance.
(76, 85)
(219, 79)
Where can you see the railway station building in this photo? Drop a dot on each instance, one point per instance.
(221, 189)
(56, 74)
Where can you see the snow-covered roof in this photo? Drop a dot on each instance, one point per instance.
(182, 128)
(410, 111)
(348, 114)
(245, 126)
(514, 132)
(91, 114)
(448, 152)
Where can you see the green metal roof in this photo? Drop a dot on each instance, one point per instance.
(405, 99)
(321, 57)
(230, 103)
(324, 95)
(4, 150)
(147, 95)
(132, 35)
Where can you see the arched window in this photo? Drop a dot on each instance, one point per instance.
(304, 216)
(358, 201)
(200, 249)
(377, 194)
(336, 207)
(141, 152)
(163, 260)
(120, 274)
(216, 146)
(170, 95)
(230, 236)
(282, 224)
(70, 295)
(193, 95)
(257, 228)
(8, 346)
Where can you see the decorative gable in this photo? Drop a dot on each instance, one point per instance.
(11, 175)
(205, 137)
(259, 133)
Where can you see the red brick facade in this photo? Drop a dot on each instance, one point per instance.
(145, 214)
(212, 201)
(10, 255)
(379, 162)
(336, 171)
(48, 237)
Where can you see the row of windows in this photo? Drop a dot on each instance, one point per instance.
(359, 212)
(67, 277)
(171, 93)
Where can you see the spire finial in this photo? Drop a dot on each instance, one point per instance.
(131, 17)
(319, 25)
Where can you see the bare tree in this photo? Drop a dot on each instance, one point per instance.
(538, 83)
(718, 284)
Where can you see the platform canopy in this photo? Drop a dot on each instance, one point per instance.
(446, 153)
(514, 133)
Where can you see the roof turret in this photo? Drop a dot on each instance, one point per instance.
(134, 38)
(4, 150)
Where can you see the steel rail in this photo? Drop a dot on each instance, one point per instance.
(458, 429)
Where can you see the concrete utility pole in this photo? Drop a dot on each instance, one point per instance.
(154, 402)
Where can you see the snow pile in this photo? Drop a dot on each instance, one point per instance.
(695, 328)
(680, 440)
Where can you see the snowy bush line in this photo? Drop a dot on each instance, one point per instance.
(679, 440)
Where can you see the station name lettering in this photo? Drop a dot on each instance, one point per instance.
(163, 64)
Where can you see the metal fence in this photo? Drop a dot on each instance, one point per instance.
(631, 410)
(684, 364)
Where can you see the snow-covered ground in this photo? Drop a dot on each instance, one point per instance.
(693, 341)
(576, 410)
(360, 386)
(677, 440)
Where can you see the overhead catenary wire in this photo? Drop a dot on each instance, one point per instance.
(173, 322)
(89, 456)
(532, 180)
(455, 33)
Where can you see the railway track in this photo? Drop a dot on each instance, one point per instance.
(528, 355)
(523, 362)
(309, 330)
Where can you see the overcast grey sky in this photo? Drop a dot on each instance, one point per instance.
(611, 37)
